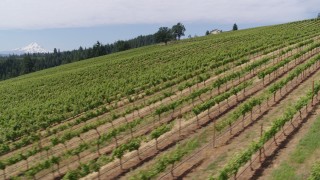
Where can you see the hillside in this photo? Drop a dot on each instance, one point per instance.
(181, 110)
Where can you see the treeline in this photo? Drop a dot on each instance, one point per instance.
(16, 65)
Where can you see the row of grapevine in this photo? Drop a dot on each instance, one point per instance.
(243, 157)
(253, 102)
(81, 119)
(83, 86)
(173, 72)
(246, 108)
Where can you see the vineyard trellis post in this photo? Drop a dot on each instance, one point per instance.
(243, 121)
(283, 131)
(172, 168)
(230, 128)
(214, 134)
(306, 108)
(4, 173)
(275, 140)
(251, 163)
(138, 112)
(180, 125)
(312, 93)
(157, 148)
(228, 102)
(300, 114)
(198, 124)
(260, 150)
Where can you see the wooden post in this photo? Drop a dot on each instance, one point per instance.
(214, 135)
(283, 131)
(243, 121)
(115, 137)
(300, 114)
(260, 150)
(180, 127)
(198, 125)
(312, 92)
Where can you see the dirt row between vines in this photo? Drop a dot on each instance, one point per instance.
(167, 143)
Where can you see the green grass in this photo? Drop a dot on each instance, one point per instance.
(212, 166)
(302, 152)
(285, 171)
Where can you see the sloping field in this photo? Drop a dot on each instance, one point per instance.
(205, 107)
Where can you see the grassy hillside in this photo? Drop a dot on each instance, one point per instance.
(43, 104)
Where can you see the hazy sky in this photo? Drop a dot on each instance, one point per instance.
(67, 24)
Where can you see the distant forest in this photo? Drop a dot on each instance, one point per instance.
(16, 65)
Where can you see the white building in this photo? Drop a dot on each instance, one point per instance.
(216, 31)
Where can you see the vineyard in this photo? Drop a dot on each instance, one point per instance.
(238, 105)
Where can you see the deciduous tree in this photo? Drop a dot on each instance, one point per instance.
(178, 30)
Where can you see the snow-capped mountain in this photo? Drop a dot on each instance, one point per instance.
(31, 48)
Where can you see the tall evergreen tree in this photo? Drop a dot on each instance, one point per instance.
(235, 27)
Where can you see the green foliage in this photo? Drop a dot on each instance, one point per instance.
(71, 175)
(155, 134)
(221, 97)
(2, 165)
(170, 158)
(133, 144)
(235, 27)
(295, 73)
(315, 172)
(178, 30)
(41, 166)
(271, 69)
(164, 34)
(240, 111)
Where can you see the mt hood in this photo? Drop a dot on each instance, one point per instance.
(31, 48)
